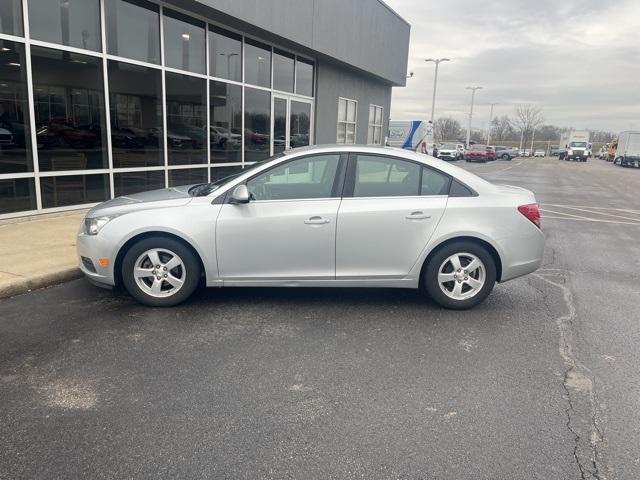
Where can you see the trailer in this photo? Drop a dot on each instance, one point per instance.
(628, 151)
(415, 135)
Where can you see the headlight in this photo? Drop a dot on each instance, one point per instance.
(570, 152)
(93, 225)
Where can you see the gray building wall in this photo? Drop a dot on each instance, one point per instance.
(364, 34)
(334, 81)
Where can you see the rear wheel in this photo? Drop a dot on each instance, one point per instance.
(160, 272)
(460, 275)
(506, 156)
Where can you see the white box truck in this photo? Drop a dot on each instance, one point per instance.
(628, 153)
(415, 135)
(575, 145)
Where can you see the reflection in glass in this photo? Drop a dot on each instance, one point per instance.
(300, 124)
(186, 119)
(73, 190)
(187, 176)
(304, 77)
(11, 17)
(135, 102)
(184, 42)
(279, 125)
(225, 54)
(133, 29)
(226, 122)
(257, 124)
(134, 182)
(15, 133)
(218, 173)
(17, 195)
(69, 105)
(70, 22)
(283, 71)
(257, 64)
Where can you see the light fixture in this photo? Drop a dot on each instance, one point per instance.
(13, 64)
(5, 49)
(260, 58)
(185, 36)
(64, 3)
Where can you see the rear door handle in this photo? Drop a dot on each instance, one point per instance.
(317, 221)
(417, 216)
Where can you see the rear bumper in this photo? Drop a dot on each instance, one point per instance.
(522, 254)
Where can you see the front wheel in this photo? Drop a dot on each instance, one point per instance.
(160, 272)
(460, 275)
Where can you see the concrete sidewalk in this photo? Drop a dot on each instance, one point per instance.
(38, 252)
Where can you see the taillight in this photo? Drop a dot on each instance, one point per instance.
(532, 212)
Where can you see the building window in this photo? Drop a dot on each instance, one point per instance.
(225, 115)
(61, 191)
(11, 17)
(374, 133)
(72, 22)
(135, 104)
(283, 71)
(187, 176)
(17, 195)
(218, 173)
(15, 130)
(69, 105)
(257, 64)
(134, 182)
(133, 29)
(225, 54)
(347, 119)
(184, 42)
(300, 124)
(257, 125)
(304, 77)
(186, 119)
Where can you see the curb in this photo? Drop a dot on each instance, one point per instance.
(24, 285)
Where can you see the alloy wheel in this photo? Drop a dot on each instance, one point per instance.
(159, 273)
(461, 276)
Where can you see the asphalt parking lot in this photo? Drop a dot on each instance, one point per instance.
(541, 381)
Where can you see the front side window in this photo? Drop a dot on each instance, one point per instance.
(308, 177)
(378, 176)
(374, 133)
(133, 29)
(75, 23)
(184, 42)
(347, 119)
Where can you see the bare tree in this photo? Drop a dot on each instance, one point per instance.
(501, 128)
(528, 117)
(447, 129)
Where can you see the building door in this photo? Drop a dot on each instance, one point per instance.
(292, 123)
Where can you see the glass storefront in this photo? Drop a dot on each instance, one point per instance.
(84, 119)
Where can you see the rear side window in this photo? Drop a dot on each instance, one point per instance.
(378, 176)
(434, 182)
(459, 190)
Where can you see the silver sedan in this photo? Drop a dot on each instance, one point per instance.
(344, 216)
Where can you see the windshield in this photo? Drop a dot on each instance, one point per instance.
(448, 146)
(204, 189)
(578, 144)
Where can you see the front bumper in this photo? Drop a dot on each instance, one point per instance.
(90, 249)
(447, 156)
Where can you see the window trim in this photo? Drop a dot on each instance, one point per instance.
(374, 125)
(347, 122)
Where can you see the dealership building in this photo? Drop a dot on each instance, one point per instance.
(102, 98)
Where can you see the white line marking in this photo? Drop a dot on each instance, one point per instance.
(582, 219)
(625, 210)
(603, 213)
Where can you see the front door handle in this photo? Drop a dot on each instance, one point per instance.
(317, 221)
(417, 216)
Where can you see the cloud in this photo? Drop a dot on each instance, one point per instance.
(577, 59)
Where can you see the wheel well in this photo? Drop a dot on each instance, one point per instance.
(482, 243)
(117, 268)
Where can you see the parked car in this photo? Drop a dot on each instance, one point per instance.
(527, 153)
(222, 137)
(451, 151)
(539, 154)
(554, 150)
(491, 153)
(506, 153)
(476, 153)
(436, 227)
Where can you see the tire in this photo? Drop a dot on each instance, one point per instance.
(506, 157)
(440, 262)
(183, 279)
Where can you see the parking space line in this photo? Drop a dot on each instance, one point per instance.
(624, 210)
(584, 219)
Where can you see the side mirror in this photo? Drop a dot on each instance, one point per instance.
(240, 195)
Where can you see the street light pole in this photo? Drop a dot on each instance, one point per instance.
(473, 97)
(437, 61)
(490, 120)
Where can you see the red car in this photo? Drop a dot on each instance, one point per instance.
(476, 153)
(491, 154)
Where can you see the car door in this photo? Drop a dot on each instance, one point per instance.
(389, 211)
(287, 230)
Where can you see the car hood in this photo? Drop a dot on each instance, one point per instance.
(166, 197)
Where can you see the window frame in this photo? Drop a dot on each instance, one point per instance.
(347, 122)
(337, 190)
(373, 125)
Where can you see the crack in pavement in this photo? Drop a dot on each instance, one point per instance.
(578, 383)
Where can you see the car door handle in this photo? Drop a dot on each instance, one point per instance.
(417, 216)
(317, 221)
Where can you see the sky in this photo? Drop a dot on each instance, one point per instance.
(578, 60)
